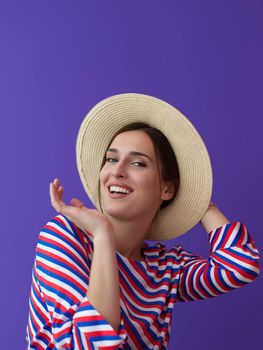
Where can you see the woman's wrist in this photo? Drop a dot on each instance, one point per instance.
(213, 218)
(104, 234)
(210, 206)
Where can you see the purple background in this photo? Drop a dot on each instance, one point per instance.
(59, 58)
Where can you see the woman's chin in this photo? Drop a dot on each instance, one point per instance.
(115, 213)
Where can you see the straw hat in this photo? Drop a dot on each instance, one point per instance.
(195, 189)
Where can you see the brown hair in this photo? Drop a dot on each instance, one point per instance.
(163, 151)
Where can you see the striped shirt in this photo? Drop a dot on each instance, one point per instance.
(61, 316)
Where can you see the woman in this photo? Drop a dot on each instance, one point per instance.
(96, 282)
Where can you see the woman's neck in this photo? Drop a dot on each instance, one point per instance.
(129, 237)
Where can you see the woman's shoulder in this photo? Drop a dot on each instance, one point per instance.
(61, 230)
(62, 251)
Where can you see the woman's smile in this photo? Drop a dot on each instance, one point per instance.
(119, 191)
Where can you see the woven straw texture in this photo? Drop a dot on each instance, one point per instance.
(195, 189)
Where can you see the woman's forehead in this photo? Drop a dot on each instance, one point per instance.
(134, 140)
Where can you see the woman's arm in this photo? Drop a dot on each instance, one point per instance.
(233, 261)
(103, 290)
(213, 218)
(61, 314)
(76, 281)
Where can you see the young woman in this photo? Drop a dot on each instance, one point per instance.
(96, 282)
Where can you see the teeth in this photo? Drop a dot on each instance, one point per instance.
(119, 189)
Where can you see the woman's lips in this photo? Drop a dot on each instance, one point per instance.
(118, 194)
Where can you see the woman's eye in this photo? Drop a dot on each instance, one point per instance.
(111, 160)
(139, 164)
(114, 160)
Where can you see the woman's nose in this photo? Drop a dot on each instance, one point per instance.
(119, 170)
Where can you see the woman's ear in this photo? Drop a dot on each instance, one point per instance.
(167, 191)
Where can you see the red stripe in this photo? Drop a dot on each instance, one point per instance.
(63, 261)
(63, 275)
(68, 236)
(68, 252)
(228, 235)
(234, 267)
(127, 281)
(219, 282)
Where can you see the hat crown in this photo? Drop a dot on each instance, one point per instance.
(113, 113)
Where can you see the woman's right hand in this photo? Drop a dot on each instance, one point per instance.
(88, 219)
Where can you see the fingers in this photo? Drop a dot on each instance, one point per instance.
(56, 196)
(76, 203)
(56, 193)
(56, 184)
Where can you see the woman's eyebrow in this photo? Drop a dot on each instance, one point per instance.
(132, 153)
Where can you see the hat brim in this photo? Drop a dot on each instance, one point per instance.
(195, 189)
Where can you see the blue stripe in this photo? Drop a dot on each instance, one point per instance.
(239, 234)
(54, 246)
(223, 236)
(240, 254)
(63, 236)
(234, 264)
(135, 332)
(140, 286)
(223, 282)
(57, 293)
(206, 292)
(31, 318)
(58, 263)
(36, 312)
(92, 323)
(62, 279)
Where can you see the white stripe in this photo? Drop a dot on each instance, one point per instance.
(145, 299)
(227, 281)
(60, 283)
(35, 283)
(54, 296)
(237, 274)
(144, 282)
(196, 289)
(67, 272)
(38, 341)
(102, 343)
(62, 255)
(135, 322)
(243, 252)
(95, 328)
(37, 305)
(87, 313)
(73, 236)
(232, 236)
(237, 261)
(219, 238)
(255, 250)
(245, 239)
(213, 273)
(188, 283)
(135, 315)
(206, 287)
(62, 242)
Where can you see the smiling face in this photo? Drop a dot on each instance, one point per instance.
(130, 184)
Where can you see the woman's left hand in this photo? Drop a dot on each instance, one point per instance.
(88, 219)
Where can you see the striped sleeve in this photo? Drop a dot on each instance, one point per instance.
(233, 262)
(60, 315)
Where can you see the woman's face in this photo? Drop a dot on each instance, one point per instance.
(130, 183)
